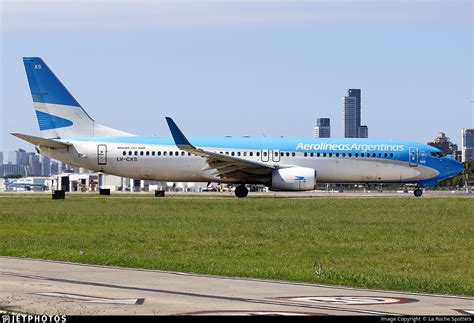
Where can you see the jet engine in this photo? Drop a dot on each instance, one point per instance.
(293, 179)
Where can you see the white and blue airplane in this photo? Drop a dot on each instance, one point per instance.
(25, 185)
(69, 134)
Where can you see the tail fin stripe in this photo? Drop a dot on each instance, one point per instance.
(48, 121)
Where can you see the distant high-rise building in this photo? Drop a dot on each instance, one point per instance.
(363, 132)
(46, 166)
(19, 157)
(34, 165)
(467, 144)
(54, 168)
(323, 128)
(1, 158)
(351, 105)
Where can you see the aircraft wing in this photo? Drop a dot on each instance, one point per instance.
(224, 165)
(42, 142)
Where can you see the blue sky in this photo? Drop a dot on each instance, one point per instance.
(245, 67)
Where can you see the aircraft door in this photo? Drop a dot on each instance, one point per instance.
(102, 154)
(265, 155)
(413, 156)
(276, 155)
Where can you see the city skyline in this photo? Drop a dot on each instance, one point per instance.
(273, 66)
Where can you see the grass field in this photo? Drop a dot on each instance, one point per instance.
(422, 245)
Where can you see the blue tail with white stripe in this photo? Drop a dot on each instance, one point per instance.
(58, 112)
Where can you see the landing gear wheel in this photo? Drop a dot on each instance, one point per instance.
(241, 191)
(418, 192)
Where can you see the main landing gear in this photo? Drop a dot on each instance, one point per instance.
(418, 192)
(241, 191)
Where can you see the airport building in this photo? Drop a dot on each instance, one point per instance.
(351, 111)
(467, 144)
(323, 128)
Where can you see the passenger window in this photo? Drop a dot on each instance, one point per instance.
(276, 153)
(318, 154)
(380, 155)
(258, 154)
(287, 154)
(245, 153)
(385, 155)
(343, 154)
(148, 153)
(306, 154)
(391, 155)
(227, 153)
(153, 153)
(337, 154)
(124, 153)
(130, 153)
(189, 154)
(158, 153)
(293, 154)
(238, 153)
(136, 153)
(164, 153)
(232, 153)
(311, 154)
(265, 154)
(182, 153)
(324, 154)
(357, 154)
(251, 154)
(374, 155)
(330, 154)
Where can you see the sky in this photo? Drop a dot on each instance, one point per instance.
(259, 68)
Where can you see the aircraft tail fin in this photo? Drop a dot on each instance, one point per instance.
(59, 114)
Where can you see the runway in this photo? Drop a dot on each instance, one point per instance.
(50, 287)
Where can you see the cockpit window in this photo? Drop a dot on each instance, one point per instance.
(436, 154)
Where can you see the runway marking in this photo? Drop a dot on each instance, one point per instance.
(466, 312)
(353, 300)
(96, 300)
(189, 294)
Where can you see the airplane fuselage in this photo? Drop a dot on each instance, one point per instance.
(334, 160)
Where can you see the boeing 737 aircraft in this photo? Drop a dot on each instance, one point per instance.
(69, 134)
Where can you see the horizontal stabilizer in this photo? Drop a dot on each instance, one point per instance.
(42, 142)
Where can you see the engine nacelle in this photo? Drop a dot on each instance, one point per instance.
(293, 179)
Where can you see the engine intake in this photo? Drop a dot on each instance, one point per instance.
(293, 179)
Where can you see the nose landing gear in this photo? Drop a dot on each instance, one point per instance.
(241, 191)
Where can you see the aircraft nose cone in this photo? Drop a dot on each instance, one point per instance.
(460, 166)
(457, 167)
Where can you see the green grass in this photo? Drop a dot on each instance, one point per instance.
(421, 245)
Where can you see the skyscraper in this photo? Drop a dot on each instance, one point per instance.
(467, 144)
(323, 128)
(351, 105)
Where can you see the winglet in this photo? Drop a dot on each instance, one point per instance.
(179, 138)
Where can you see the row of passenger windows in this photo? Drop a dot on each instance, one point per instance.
(153, 153)
(265, 154)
